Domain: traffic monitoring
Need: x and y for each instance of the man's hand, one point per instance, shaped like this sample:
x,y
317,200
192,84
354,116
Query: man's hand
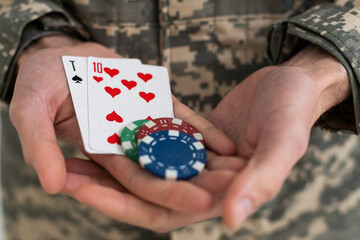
x,y
269,117
124,191
42,111
41,107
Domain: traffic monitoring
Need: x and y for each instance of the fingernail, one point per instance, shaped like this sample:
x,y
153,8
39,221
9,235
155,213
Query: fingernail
x,y
243,210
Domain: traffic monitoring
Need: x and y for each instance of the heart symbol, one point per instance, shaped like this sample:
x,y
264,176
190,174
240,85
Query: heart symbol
x,y
147,96
114,117
111,72
98,79
112,91
146,77
128,84
114,139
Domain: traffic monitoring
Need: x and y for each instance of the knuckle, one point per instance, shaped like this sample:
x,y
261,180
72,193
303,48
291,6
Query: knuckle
x,y
15,113
301,146
166,197
161,221
300,142
271,190
163,226
161,229
28,161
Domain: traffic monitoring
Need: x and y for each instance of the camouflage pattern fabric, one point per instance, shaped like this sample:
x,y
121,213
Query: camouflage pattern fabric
x,y
23,22
333,27
208,46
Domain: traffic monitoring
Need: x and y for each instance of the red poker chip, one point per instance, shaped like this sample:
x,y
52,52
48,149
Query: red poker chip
x,y
163,124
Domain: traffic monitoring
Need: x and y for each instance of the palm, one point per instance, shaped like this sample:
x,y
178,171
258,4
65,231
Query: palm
x,y
251,111
269,117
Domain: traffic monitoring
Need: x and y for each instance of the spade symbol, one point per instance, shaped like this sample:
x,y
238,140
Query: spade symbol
x,y
77,79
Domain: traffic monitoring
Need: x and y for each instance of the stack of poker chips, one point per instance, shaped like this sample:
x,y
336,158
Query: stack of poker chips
x,y
169,148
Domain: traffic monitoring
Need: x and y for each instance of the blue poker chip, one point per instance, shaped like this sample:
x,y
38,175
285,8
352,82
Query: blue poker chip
x,y
172,154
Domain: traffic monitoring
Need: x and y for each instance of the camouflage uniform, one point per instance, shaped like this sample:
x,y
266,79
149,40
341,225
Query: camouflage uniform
x,y
208,46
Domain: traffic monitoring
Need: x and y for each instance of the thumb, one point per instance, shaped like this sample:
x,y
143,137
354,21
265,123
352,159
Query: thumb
x,y
38,140
264,175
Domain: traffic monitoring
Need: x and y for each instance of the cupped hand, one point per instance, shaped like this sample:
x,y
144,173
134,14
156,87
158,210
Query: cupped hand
x,y
269,116
42,111
121,189
94,186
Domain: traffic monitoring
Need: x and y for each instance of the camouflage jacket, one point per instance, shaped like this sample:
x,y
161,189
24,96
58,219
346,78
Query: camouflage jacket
x,y
209,46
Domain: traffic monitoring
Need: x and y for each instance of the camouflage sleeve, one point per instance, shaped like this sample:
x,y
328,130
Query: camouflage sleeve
x,y
23,21
336,28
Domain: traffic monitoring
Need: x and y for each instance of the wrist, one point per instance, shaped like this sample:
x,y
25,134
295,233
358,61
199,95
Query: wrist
x,y
329,75
52,41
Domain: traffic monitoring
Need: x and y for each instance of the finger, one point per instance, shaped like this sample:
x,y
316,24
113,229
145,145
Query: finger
x,y
214,139
177,195
130,209
75,181
264,175
38,140
214,181
218,162
81,172
85,167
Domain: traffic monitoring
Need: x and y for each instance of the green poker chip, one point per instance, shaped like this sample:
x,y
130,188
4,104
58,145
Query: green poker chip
x,y
129,139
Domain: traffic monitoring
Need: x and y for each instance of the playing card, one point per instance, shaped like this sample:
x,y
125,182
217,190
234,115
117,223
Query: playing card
x,y
120,93
76,74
